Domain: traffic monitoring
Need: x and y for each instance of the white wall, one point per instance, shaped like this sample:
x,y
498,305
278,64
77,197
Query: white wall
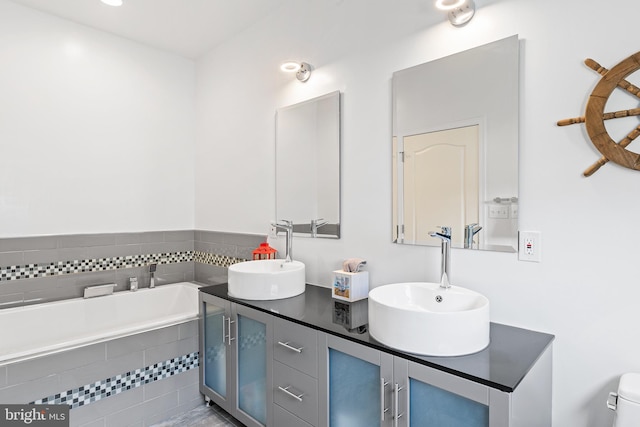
x,y
96,133
585,290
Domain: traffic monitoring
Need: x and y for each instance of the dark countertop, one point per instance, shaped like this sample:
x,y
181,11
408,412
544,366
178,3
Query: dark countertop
x,y
502,365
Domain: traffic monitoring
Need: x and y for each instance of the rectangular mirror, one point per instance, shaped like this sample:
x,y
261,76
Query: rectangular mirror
x,y
308,166
455,149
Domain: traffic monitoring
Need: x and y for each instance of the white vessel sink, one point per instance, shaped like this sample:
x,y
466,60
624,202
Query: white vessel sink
x,y
423,318
266,279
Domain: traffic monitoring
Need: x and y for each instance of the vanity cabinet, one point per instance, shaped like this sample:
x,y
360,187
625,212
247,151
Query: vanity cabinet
x,y
309,367
235,359
362,386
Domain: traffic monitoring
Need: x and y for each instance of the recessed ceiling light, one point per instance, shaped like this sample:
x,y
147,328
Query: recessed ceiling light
x,y
112,2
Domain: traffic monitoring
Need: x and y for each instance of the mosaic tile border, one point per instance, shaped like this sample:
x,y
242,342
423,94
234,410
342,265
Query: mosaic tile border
x,y
99,390
33,271
215,259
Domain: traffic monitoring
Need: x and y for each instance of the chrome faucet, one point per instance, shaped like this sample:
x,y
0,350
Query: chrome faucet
x,y
470,232
152,273
133,284
287,226
315,224
445,237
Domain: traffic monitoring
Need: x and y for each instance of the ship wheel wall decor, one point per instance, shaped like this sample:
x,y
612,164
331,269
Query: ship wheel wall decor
x,y
595,116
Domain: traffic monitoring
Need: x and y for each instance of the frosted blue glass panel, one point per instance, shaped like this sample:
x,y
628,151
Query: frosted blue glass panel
x,y
215,351
432,406
252,368
354,391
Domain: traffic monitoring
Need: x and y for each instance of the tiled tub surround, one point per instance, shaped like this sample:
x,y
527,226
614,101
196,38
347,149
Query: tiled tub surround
x,y
143,376
144,400
49,268
139,379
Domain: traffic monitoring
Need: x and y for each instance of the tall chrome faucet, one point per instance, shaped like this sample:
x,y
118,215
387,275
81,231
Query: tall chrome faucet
x,y
315,224
287,226
445,237
470,231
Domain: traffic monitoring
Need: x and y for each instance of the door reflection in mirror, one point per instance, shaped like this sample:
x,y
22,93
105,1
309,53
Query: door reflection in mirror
x,y
441,181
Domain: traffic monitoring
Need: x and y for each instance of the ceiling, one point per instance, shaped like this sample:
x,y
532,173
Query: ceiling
x,y
186,27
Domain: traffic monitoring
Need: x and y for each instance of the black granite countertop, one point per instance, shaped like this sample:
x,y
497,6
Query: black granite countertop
x,y
502,365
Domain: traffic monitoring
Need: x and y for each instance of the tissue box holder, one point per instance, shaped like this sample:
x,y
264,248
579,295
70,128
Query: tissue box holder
x,y
350,286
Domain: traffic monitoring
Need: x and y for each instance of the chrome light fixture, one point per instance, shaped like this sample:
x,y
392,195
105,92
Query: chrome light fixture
x,y
302,69
459,11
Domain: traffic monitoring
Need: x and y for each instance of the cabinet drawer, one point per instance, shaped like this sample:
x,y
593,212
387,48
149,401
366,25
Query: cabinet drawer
x,y
296,392
297,346
282,418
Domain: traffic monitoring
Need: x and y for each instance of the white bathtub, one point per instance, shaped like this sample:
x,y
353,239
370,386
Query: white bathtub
x,y
37,330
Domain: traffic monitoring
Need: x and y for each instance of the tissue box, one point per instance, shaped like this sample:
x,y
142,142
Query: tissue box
x,y
350,286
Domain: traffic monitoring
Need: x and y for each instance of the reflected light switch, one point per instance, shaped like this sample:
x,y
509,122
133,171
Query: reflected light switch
x,y
498,211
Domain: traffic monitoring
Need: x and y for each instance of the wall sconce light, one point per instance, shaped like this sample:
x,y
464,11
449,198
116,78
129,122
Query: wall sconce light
x,y
459,11
302,69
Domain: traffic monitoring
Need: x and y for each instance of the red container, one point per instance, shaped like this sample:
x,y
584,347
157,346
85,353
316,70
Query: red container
x,y
264,251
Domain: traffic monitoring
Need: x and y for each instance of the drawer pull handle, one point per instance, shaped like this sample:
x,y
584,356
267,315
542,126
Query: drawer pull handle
x,y
287,346
286,391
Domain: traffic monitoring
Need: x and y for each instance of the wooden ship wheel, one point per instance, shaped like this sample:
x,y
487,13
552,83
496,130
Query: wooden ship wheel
x,y
595,116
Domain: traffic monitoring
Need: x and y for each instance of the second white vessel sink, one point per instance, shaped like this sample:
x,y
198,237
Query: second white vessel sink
x,y
266,279
424,318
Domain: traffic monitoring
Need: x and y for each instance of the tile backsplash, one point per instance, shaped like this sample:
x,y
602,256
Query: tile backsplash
x,y
49,268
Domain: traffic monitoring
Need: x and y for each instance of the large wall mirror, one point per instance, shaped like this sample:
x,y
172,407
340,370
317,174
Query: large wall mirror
x,y
308,166
455,149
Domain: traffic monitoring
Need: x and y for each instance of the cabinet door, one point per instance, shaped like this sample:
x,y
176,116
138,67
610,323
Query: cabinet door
x,y
254,341
216,363
355,384
427,396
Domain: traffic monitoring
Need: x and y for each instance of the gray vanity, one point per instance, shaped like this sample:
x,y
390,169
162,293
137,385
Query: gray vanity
x,y
309,361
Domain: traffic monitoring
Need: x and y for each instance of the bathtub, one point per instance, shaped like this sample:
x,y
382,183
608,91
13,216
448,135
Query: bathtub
x,y
42,329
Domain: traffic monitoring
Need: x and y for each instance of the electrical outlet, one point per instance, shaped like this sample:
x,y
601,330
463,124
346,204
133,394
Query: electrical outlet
x,y
530,248
273,231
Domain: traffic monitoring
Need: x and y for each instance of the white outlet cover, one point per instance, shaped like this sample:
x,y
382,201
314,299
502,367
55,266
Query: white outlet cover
x,y
530,246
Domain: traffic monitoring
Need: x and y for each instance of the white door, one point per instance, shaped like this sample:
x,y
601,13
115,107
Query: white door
x,y
440,183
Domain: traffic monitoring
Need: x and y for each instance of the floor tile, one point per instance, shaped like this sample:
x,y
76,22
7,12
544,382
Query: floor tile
x,y
202,416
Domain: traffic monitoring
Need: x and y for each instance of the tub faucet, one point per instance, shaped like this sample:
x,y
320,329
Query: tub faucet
x,y
445,250
133,284
470,232
287,226
152,273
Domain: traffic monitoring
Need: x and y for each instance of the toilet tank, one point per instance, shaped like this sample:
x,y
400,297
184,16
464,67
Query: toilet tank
x,y
626,402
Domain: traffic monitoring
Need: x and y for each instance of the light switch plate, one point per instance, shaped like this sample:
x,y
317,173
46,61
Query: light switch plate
x,y
514,210
499,211
530,246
